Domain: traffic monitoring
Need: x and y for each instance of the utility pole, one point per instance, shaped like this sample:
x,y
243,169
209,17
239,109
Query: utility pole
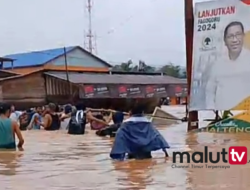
x,y
89,35
67,71
193,117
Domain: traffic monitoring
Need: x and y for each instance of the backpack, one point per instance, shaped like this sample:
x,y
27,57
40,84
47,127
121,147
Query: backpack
x,y
77,123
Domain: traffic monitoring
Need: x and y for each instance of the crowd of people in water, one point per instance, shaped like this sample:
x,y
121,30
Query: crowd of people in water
x,y
135,136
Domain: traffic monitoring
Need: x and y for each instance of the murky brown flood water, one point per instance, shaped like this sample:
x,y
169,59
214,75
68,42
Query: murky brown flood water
x,y
57,161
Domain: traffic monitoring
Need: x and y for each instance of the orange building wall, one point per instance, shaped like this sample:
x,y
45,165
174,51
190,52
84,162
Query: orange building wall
x,y
174,100
25,70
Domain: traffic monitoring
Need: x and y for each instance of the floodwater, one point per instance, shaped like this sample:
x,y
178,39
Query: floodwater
x,y
57,161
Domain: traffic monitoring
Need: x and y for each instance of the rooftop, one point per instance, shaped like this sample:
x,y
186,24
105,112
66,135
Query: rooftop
x,y
35,58
84,78
4,59
40,58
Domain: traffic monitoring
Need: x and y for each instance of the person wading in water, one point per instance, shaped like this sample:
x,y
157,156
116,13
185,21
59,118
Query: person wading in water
x,y
97,125
85,116
35,119
77,120
15,115
8,129
117,118
137,137
51,119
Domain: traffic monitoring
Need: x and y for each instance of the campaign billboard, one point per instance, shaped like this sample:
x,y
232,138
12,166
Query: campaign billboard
x,y
221,56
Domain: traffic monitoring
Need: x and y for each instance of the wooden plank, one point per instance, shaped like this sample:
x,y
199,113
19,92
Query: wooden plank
x,y
167,118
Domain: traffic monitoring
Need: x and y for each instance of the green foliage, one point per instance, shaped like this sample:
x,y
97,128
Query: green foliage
x,y
169,69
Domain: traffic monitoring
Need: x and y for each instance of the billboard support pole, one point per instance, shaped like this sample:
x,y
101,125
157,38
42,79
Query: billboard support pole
x,y
189,29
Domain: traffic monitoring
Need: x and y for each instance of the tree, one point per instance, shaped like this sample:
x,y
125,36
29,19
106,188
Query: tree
x,y
184,74
126,67
171,70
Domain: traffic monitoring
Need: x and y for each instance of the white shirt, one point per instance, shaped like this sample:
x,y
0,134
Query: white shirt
x,y
14,116
229,82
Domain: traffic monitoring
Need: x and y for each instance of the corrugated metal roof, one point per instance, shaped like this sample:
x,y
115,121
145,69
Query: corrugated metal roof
x,y
83,78
35,58
4,59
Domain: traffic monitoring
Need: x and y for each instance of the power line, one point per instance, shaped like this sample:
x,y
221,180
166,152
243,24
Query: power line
x,y
121,24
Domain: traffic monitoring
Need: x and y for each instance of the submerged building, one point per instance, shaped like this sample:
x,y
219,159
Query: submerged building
x,y
73,74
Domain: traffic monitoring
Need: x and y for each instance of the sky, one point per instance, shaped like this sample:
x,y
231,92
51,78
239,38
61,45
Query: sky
x,y
148,30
